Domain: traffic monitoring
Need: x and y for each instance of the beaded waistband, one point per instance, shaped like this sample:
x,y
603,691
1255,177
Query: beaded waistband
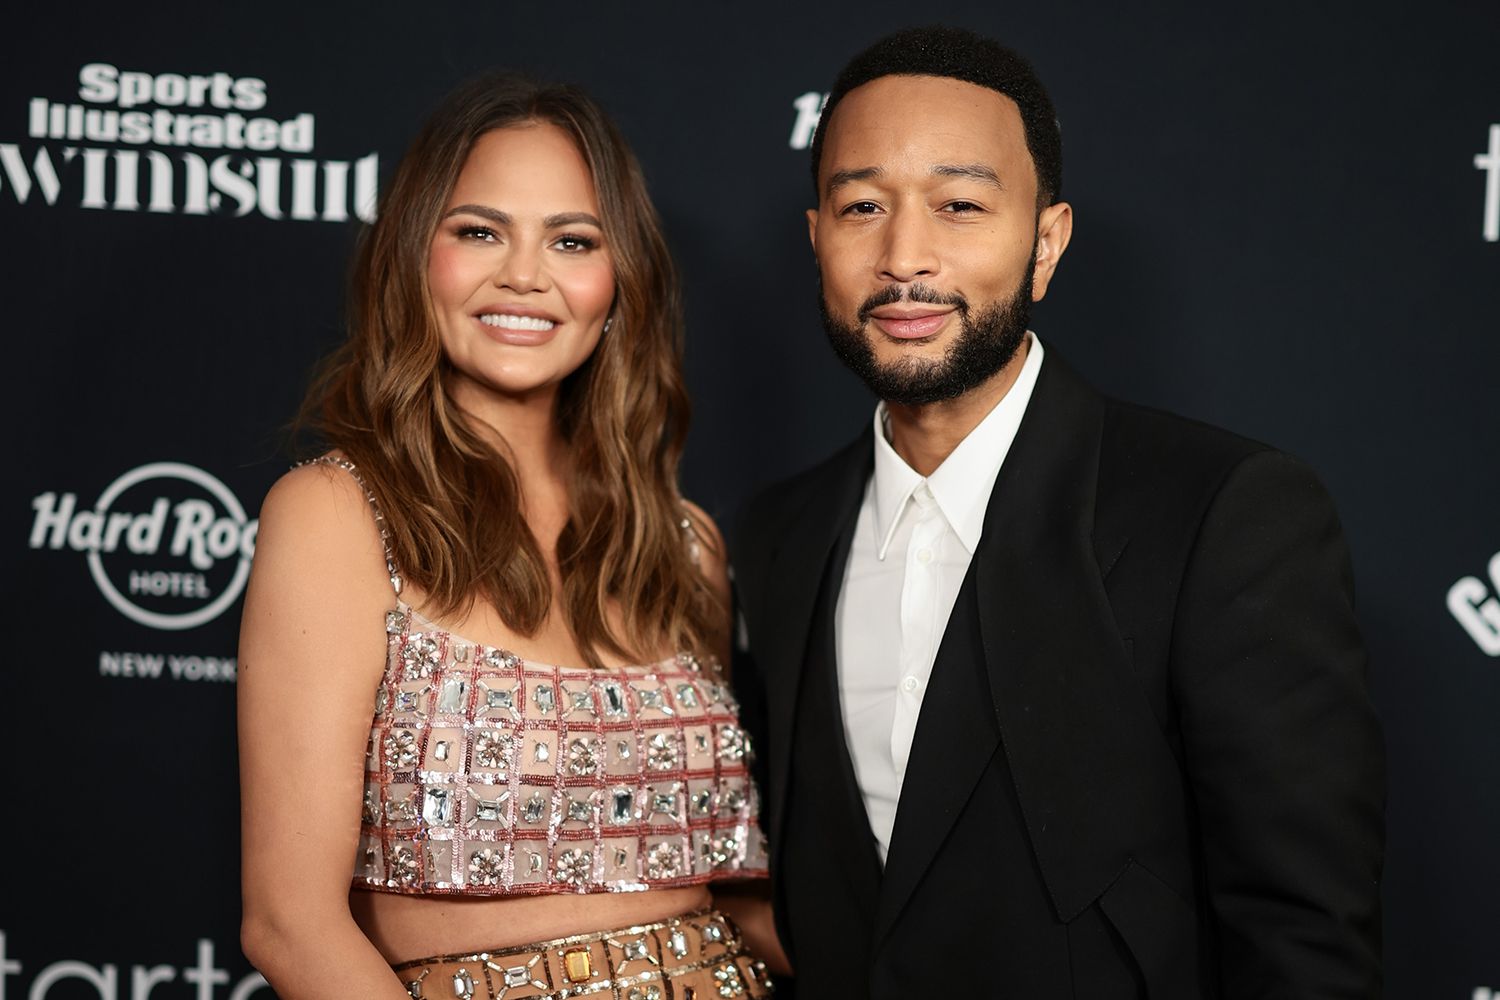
x,y
696,956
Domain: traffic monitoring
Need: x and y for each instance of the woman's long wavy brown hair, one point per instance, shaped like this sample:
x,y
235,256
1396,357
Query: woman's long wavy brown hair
x,y
451,501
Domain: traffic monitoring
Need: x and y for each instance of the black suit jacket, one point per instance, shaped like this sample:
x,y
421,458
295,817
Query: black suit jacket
x,y
1146,763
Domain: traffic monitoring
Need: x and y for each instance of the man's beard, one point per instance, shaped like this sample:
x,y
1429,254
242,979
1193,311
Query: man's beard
x,y
986,343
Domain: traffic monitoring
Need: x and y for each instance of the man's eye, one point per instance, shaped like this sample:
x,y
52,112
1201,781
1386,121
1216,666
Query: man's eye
x,y
861,208
962,207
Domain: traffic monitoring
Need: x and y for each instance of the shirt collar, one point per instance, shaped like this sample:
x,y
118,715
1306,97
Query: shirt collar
x,y
961,486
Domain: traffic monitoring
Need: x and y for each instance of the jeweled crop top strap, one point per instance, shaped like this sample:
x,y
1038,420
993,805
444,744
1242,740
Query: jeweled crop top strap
x,y
385,536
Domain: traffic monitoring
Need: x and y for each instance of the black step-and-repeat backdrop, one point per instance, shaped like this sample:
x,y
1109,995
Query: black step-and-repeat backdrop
x,y
1288,223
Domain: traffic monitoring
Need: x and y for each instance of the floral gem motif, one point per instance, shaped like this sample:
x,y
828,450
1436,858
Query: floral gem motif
x,y
727,978
733,743
486,867
420,654
661,752
719,851
584,756
405,867
500,659
664,861
400,748
574,866
492,748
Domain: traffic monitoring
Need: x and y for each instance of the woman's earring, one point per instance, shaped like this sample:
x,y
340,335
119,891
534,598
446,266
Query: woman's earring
x,y
608,322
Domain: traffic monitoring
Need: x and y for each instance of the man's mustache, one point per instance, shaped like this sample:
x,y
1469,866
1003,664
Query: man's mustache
x,y
916,292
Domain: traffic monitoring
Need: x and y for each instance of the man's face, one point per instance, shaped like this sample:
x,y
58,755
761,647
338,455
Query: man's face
x,y
929,244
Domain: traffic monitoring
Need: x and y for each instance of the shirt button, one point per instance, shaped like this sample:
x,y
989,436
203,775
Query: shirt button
x,y
910,684
924,556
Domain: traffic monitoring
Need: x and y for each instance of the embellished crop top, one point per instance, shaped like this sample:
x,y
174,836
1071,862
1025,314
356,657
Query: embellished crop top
x,y
488,774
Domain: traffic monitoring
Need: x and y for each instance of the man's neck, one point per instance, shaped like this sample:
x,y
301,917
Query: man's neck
x,y
925,435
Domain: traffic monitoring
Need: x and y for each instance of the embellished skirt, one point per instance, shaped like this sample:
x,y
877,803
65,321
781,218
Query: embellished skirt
x,y
697,956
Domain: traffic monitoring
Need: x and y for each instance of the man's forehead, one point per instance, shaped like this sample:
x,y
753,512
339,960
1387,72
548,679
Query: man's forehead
x,y
922,119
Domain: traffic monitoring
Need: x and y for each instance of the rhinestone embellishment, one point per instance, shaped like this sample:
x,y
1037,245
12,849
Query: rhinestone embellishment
x,y
405,868
492,748
614,699
581,810
546,699
621,806
400,749
486,867
643,993
727,978
661,752
463,985
664,861
574,866
733,743
653,698
484,771
501,699
453,696
534,808
500,659
420,655
583,756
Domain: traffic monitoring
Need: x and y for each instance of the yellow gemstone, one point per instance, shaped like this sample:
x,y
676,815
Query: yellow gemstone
x,y
578,965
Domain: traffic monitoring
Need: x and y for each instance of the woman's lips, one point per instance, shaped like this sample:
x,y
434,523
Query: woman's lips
x,y
913,327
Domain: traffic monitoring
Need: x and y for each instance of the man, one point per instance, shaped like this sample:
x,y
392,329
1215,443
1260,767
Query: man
x,y
1059,696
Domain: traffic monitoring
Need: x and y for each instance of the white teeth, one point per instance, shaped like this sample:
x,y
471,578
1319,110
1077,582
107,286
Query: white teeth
x,y
507,321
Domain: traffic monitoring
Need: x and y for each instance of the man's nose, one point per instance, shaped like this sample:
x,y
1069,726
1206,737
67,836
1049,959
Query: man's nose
x,y
908,253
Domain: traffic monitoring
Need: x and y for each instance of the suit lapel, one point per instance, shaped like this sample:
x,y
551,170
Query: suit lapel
x,y
796,572
1069,716
955,739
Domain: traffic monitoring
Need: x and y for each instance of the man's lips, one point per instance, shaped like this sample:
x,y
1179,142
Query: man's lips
x,y
909,323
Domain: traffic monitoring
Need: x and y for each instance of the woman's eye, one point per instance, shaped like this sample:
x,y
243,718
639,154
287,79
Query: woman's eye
x,y
576,244
482,233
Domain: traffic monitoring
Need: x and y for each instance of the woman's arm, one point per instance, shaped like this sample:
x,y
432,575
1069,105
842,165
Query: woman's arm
x,y
748,903
312,652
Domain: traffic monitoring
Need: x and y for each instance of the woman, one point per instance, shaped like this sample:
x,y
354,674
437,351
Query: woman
x,y
507,417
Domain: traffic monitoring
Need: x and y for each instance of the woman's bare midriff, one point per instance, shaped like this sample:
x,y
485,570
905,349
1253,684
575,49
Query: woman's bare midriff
x,y
404,928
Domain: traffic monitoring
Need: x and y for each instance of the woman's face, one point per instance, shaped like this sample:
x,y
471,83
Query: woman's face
x,y
520,276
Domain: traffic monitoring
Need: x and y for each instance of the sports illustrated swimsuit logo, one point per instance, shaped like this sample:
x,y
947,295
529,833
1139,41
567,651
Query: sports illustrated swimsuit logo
x,y
167,544
809,109
203,155
1489,162
1477,609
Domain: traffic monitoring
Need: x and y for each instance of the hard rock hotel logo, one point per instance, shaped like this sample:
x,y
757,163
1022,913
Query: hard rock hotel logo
x,y
167,544
174,143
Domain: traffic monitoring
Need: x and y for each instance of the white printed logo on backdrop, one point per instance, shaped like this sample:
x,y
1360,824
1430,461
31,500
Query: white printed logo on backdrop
x,y
184,144
809,109
1477,607
1489,162
168,545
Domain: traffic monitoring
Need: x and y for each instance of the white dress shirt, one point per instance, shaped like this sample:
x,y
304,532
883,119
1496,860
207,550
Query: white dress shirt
x,y
911,550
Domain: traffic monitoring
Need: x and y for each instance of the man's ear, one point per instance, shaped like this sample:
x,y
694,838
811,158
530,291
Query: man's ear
x,y
1054,228
812,227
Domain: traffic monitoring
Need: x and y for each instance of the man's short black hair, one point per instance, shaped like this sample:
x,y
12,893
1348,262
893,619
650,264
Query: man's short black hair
x,y
959,55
